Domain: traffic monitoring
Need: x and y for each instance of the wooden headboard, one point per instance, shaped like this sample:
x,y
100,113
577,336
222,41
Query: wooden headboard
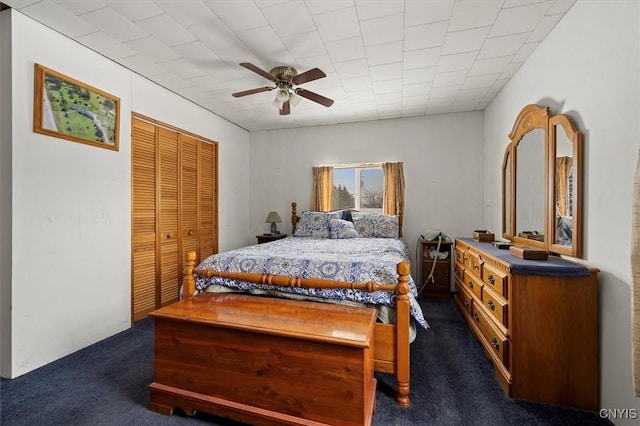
x,y
295,218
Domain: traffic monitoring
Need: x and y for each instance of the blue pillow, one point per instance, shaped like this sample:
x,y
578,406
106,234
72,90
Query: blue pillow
x,y
315,224
375,225
341,229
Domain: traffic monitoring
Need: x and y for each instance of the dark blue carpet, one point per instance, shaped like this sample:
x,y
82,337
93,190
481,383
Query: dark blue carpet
x,y
107,384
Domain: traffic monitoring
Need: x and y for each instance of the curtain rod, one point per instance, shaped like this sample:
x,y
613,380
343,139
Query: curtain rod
x,y
347,166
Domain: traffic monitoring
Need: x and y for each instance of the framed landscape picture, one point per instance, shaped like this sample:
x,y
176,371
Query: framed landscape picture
x,y
68,109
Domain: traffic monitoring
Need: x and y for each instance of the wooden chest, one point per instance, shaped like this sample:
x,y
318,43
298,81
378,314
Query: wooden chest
x,y
265,361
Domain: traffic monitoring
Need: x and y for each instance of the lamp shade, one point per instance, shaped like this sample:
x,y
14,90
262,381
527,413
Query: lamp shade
x,y
273,217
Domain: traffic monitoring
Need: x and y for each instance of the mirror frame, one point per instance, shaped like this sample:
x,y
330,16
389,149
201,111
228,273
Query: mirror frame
x,y
575,137
536,117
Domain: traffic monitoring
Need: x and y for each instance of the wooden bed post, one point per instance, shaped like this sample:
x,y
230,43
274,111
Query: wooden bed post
x,y
400,213
188,282
294,216
403,313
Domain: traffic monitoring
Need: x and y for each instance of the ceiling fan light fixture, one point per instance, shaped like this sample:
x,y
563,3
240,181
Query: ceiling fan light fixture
x,y
282,96
294,99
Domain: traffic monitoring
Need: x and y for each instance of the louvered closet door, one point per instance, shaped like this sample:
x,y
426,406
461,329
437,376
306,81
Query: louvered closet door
x,y
143,271
189,194
168,216
208,205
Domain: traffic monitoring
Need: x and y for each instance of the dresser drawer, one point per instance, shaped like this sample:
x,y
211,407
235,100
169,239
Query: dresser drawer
x,y
495,280
473,284
474,263
496,341
458,270
496,306
463,296
460,251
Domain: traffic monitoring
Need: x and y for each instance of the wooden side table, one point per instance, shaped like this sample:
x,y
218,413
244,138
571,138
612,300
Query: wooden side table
x,y
265,238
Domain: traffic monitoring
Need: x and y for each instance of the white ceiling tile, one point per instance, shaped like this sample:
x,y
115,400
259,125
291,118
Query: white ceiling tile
x,y
475,93
304,45
450,78
387,86
339,24
207,83
153,49
59,19
457,62
357,84
376,9
196,52
427,12
142,65
171,80
421,58
183,68
544,28
462,106
418,75
279,17
166,29
323,6
360,96
561,6
385,53
386,72
346,49
214,34
474,14
114,24
78,7
490,66
261,40
423,89
525,51
238,15
425,36
444,91
502,46
480,81
465,41
134,10
187,12
510,70
519,19
106,45
351,69
386,29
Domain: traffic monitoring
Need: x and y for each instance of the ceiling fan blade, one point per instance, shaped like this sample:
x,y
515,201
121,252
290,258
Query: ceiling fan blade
x,y
312,74
260,71
314,97
286,108
251,92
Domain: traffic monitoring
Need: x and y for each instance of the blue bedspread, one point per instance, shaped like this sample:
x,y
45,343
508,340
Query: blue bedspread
x,y
352,260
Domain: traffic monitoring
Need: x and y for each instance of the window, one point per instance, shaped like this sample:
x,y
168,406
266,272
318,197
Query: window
x,y
359,187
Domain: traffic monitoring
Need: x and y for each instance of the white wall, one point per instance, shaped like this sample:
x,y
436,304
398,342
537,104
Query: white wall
x,y
71,205
442,156
588,68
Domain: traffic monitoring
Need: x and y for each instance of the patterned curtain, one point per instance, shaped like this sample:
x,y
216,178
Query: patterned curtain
x,y
322,190
635,270
563,169
393,186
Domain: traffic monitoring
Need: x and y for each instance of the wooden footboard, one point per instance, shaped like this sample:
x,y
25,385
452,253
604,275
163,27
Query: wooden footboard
x,y
391,349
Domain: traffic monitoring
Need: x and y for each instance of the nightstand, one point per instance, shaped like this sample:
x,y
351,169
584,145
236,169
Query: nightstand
x,y
441,284
265,238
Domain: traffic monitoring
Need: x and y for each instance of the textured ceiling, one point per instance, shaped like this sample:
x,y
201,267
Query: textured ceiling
x,y
383,59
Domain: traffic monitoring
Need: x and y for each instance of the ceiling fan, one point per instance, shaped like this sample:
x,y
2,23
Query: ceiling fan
x,y
284,79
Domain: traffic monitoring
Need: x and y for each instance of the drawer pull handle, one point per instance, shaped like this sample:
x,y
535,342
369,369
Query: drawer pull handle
x,y
476,266
495,344
168,236
476,317
491,305
491,279
471,284
466,302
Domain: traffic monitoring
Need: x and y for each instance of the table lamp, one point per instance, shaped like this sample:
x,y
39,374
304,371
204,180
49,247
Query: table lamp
x,y
273,218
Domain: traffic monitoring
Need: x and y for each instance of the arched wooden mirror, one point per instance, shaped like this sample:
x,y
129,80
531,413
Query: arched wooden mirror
x,y
542,180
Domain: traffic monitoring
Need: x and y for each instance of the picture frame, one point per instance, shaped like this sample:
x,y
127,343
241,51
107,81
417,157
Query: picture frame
x,y
69,109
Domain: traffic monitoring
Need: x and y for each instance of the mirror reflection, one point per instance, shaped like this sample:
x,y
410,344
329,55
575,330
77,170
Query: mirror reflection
x,y
530,185
564,187
506,191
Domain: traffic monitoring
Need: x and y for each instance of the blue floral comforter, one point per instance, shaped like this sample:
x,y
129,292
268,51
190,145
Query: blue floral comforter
x,y
352,260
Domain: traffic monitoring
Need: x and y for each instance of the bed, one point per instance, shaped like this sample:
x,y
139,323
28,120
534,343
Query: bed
x,y
324,261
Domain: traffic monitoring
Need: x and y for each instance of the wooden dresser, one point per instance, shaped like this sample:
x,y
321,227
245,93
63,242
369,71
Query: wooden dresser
x,y
265,361
537,322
